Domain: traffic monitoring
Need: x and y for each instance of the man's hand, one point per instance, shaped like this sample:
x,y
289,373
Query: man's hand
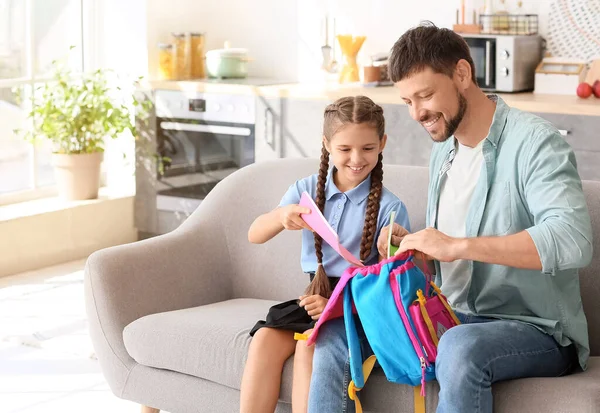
x,y
290,218
314,305
433,244
398,233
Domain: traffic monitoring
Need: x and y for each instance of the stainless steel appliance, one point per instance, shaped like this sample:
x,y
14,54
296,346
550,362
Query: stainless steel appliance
x,y
207,137
505,63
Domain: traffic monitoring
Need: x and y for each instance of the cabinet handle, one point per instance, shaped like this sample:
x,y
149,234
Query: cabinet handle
x,y
564,132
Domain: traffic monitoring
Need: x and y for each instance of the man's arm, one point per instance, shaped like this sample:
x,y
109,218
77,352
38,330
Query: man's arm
x,y
517,250
561,236
562,230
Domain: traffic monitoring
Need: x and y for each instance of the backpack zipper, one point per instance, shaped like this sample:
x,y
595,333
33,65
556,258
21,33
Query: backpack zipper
x,y
415,342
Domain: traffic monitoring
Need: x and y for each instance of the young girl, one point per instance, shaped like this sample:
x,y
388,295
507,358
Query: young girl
x,y
353,200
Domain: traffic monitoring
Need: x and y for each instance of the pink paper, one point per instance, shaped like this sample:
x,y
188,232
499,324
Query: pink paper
x,y
319,224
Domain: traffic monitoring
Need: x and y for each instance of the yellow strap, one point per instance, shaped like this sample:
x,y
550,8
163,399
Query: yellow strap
x,y
300,337
445,303
426,318
419,400
353,390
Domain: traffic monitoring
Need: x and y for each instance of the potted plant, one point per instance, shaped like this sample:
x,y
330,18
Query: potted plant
x,y
77,114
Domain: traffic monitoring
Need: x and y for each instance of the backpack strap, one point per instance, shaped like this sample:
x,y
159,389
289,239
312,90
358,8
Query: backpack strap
x,y
301,336
367,368
419,400
355,352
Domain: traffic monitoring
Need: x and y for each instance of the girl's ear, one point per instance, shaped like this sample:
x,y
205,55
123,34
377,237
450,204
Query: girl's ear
x,y
326,143
382,143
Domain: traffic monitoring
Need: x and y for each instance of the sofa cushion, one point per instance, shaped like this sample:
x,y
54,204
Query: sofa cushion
x,y
210,342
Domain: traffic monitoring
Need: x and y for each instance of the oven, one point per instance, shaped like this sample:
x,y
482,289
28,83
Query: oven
x,y
201,138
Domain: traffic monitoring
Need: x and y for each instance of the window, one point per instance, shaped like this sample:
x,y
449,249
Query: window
x,y
33,33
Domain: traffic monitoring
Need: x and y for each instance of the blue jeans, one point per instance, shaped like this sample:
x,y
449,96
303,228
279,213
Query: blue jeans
x,y
471,357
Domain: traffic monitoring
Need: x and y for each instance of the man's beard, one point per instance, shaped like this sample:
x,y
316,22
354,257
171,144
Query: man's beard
x,y
454,123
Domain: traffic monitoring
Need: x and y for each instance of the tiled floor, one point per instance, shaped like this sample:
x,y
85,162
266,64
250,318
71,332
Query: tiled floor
x,y
46,358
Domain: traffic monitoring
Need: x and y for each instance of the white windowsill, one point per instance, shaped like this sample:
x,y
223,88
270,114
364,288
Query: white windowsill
x,y
53,204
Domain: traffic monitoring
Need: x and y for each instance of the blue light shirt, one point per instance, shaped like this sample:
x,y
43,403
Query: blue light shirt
x,y
345,212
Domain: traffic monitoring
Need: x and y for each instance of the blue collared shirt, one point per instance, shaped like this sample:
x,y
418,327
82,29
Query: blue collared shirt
x,y
345,212
528,182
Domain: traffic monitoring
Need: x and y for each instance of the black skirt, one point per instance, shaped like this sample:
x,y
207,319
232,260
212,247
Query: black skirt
x,y
289,315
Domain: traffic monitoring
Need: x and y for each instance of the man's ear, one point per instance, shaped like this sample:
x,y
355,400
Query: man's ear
x,y
462,73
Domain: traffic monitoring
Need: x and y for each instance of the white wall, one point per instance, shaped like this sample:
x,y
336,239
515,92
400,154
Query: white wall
x,y
285,36
268,28
121,36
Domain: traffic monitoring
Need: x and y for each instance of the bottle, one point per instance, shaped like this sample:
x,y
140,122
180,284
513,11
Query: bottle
x,y
181,52
197,56
166,61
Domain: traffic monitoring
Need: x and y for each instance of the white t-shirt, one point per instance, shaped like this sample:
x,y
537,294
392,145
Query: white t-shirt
x,y
455,198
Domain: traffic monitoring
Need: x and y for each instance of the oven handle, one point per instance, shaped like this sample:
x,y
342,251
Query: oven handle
x,y
193,127
488,61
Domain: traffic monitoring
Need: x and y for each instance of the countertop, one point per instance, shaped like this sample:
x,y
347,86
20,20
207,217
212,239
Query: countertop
x,y
531,102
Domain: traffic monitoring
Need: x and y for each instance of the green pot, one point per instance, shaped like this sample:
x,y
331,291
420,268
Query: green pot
x,y
227,63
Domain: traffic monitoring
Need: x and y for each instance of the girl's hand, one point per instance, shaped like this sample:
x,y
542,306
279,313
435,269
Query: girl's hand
x,y
289,216
398,234
314,305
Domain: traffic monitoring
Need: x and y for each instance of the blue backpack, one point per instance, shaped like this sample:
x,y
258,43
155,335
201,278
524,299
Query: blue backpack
x,y
381,296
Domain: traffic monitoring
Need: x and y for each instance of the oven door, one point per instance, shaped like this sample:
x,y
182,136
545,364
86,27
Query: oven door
x,y
483,52
197,155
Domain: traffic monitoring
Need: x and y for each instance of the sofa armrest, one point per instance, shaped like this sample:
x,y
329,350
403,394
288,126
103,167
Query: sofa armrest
x,y
186,268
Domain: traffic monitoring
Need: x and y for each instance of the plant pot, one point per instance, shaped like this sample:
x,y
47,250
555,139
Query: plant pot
x,y
77,175
227,63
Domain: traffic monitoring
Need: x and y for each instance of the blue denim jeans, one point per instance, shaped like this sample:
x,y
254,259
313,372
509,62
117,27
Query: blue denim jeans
x,y
471,357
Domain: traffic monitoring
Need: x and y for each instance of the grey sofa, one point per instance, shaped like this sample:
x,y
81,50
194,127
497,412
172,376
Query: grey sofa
x,y
169,316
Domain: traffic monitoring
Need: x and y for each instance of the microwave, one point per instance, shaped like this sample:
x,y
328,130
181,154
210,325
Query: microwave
x,y
505,63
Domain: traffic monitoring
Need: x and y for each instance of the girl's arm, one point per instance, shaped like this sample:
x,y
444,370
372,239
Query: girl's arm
x,y
272,223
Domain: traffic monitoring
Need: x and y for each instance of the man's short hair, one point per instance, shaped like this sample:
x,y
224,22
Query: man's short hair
x,y
428,46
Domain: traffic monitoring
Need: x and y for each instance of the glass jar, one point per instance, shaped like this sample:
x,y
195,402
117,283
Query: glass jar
x,y
197,56
166,63
181,52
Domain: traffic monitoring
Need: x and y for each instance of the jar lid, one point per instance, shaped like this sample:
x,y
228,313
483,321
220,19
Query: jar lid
x,y
165,46
178,34
195,34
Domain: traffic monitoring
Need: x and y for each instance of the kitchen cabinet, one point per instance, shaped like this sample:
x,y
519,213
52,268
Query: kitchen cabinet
x,y
267,139
582,133
292,127
302,128
408,143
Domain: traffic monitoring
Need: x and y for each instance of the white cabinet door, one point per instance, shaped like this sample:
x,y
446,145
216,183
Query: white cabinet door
x,y
267,139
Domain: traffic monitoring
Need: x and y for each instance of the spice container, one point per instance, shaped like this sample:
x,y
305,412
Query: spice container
x,y
197,56
181,53
166,61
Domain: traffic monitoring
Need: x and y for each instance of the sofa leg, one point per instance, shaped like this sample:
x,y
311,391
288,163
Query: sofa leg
x,y
146,409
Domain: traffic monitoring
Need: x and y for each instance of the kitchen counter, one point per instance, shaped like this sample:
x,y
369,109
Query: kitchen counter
x,y
530,102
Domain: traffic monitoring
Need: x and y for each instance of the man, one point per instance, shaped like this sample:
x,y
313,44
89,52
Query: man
x,y
507,230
